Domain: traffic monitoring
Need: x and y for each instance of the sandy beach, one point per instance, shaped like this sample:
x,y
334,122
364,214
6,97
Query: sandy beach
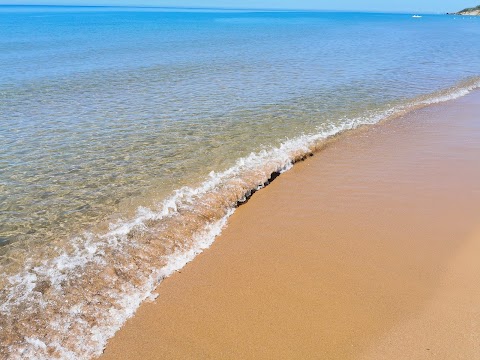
x,y
237,180
367,250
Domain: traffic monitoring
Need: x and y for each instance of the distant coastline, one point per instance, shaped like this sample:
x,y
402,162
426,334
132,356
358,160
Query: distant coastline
x,y
473,11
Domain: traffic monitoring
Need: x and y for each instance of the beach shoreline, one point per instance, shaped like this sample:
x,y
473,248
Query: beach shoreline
x,y
351,253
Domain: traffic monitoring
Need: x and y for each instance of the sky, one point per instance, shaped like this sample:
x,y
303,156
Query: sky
x,y
431,6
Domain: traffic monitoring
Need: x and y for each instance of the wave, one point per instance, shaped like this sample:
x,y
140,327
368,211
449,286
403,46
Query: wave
x,y
68,305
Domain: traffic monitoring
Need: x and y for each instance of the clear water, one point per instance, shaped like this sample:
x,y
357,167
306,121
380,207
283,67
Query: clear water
x,y
127,137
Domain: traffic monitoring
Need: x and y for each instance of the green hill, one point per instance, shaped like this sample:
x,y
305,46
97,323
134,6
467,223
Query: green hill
x,y
470,11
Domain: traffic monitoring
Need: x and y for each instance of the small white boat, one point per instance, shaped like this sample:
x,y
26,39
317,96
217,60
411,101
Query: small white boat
x,y
416,16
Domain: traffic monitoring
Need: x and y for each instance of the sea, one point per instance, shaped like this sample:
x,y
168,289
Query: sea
x,y
128,136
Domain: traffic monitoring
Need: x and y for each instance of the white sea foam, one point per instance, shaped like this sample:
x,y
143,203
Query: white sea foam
x,y
67,332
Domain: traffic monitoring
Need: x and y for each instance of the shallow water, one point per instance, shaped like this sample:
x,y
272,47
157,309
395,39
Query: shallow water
x,y
128,136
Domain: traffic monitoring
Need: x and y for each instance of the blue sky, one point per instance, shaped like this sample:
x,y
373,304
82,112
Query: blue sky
x,y
436,6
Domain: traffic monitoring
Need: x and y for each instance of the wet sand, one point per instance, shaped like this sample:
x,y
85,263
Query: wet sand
x,y
368,250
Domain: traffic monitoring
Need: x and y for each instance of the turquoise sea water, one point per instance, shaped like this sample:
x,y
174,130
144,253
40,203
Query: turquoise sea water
x,y
128,136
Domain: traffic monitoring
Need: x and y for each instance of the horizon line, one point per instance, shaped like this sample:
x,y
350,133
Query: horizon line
x,y
219,8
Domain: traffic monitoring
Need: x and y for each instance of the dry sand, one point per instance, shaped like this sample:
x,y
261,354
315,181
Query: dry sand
x,y
368,250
